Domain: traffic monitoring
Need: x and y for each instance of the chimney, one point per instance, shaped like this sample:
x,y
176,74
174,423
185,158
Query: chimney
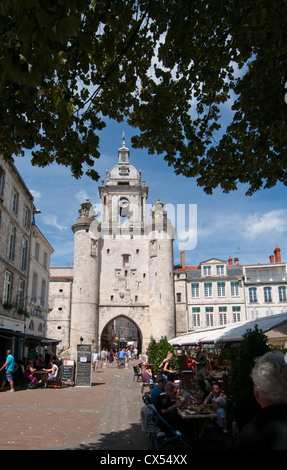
x,y
182,259
271,257
236,261
277,254
230,261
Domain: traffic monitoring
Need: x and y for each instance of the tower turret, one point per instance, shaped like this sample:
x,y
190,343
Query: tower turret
x,y
161,287
84,318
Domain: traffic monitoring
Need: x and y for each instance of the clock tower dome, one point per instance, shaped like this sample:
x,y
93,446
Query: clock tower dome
x,y
123,197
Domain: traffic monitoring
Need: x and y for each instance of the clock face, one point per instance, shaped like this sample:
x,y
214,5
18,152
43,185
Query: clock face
x,y
124,207
123,202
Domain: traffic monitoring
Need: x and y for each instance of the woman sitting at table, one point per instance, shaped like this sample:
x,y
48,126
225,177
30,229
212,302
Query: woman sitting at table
x,y
29,372
215,393
39,361
146,374
167,406
51,373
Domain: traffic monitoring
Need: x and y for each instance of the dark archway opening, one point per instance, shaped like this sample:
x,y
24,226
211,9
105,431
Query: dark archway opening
x,y
120,333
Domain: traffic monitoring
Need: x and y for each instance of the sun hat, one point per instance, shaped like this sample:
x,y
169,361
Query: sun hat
x,y
221,401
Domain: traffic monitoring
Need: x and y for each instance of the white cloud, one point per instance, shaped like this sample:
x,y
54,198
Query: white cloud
x,y
251,226
36,194
81,196
261,225
50,219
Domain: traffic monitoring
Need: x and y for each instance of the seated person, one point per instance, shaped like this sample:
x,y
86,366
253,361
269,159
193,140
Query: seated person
x,y
219,406
146,374
157,390
29,372
51,373
39,362
215,393
220,423
167,406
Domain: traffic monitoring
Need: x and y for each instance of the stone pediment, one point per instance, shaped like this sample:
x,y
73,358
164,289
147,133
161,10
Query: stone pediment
x,y
213,261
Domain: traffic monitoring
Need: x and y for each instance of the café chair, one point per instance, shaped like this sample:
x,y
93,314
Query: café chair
x,y
57,382
137,373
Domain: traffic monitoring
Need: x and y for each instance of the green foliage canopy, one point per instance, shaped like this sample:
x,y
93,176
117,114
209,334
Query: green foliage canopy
x,y
168,67
157,352
253,346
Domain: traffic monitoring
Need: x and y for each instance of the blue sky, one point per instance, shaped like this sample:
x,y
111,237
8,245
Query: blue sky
x,y
223,225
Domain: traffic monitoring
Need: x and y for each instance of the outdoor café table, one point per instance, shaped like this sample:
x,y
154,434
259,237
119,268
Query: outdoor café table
x,y
195,415
40,372
196,418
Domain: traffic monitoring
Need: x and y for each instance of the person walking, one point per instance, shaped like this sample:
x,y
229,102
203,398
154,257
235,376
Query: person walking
x,y
9,370
121,358
111,358
103,357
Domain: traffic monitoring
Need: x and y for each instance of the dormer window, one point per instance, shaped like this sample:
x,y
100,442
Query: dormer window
x,y
220,270
207,270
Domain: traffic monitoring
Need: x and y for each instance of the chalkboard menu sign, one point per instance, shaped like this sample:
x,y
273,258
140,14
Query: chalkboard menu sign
x,y
84,365
68,372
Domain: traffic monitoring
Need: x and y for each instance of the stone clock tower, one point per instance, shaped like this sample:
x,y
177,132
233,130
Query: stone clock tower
x,y
123,261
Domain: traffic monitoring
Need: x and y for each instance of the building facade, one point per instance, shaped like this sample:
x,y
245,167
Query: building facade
x,y
217,293
38,285
17,265
16,215
207,295
123,265
266,287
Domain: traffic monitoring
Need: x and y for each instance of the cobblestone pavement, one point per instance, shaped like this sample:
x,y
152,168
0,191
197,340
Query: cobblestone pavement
x,y
105,416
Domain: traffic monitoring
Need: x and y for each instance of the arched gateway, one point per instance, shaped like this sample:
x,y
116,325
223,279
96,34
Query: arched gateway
x,y
121,332
123,263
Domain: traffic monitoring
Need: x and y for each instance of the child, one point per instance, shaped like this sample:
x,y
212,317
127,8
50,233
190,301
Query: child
x,y
220,424
219,406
